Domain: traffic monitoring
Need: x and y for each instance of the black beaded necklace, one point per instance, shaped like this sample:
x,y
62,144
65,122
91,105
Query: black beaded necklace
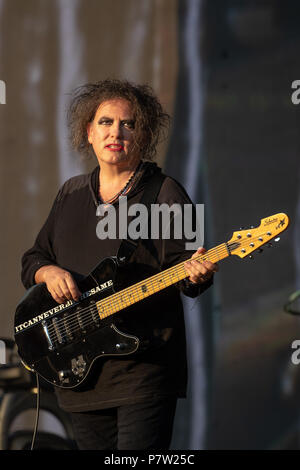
x,y
125,188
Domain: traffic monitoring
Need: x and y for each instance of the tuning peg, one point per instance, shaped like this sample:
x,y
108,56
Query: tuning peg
x,y
276,239
260,250
251,257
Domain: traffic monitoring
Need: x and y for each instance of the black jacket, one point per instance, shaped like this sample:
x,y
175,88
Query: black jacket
x,y
68,239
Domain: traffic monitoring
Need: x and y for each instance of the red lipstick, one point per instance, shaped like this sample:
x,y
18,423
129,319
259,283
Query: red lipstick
x,y
115,147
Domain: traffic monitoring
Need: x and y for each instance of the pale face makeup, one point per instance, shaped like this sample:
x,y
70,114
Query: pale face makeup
x,y
111,133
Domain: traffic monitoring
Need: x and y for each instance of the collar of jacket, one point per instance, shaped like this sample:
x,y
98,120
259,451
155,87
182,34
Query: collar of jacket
x,y
148,169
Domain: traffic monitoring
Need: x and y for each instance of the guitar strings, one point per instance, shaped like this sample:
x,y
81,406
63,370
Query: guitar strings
x,y
73,323
84,313
77,318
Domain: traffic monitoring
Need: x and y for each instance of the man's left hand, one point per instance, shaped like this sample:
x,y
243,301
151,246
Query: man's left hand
x,y
200,272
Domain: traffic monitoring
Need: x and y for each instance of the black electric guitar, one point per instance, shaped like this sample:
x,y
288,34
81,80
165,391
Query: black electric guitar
x,y
62,341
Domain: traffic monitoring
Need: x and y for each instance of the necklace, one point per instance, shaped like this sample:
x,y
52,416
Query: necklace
x,y
125,188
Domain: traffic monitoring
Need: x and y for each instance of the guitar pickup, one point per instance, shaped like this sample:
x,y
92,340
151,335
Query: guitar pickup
x,y
47,334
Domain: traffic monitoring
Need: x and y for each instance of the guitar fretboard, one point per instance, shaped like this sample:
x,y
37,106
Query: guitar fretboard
x,y
139,291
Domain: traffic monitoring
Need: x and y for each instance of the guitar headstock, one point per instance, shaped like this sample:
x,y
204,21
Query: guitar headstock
x,y
244,242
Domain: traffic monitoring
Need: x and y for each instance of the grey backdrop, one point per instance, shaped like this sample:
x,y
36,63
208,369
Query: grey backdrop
x,y
224,71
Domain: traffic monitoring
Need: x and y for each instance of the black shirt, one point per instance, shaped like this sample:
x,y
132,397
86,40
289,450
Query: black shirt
x,y
68,239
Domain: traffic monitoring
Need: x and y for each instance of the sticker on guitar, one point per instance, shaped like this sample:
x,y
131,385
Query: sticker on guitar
x,y
39,318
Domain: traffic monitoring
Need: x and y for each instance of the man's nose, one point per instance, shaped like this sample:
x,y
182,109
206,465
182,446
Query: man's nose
x,y
116,129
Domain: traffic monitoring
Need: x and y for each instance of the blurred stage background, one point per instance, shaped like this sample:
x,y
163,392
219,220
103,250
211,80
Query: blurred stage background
x,y
224,70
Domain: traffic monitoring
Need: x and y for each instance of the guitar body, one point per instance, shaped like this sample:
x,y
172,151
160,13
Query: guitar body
x,y
61,342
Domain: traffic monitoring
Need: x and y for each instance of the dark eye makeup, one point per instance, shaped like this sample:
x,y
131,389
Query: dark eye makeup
x,y
129,123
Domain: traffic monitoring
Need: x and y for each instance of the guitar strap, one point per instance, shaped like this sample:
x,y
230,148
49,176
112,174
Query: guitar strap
x,y
151,191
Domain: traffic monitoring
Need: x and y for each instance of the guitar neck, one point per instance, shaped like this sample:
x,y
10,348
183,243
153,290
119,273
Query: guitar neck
x,y
133,294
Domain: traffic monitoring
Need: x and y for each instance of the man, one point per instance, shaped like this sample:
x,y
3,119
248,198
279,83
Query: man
x,y
128,402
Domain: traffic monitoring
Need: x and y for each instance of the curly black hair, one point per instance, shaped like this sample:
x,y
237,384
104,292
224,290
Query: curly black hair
x,y
151,121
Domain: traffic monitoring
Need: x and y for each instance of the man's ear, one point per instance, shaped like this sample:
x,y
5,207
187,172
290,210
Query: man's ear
x,y
89,131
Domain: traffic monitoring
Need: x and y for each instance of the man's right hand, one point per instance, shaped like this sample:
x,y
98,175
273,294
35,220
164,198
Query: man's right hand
x,y
59,282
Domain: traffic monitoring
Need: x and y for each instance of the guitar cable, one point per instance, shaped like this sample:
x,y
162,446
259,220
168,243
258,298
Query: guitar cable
x,y
37,411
